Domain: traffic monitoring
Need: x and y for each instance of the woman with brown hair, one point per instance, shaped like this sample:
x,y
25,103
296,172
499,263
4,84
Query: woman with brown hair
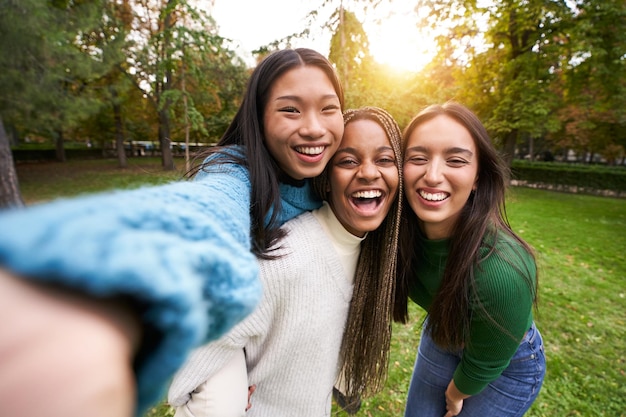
x,y
480,353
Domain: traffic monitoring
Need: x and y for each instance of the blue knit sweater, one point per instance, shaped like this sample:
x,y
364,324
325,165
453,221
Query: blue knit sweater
x,y
181,251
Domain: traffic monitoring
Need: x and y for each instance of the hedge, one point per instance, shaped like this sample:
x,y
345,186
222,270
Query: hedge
x,y
590,179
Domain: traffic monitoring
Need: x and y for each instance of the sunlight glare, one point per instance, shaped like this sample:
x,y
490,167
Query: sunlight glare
x,y
397,42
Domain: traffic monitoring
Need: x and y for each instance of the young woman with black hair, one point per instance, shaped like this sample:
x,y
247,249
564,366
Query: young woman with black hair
x,y
154,272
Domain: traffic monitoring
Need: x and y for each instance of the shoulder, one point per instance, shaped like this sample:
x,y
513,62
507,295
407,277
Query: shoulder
x,y
506,269
226,159
301,232
305,246
502,249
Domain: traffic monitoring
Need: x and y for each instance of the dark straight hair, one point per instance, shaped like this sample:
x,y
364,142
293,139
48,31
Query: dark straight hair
x,y
247,131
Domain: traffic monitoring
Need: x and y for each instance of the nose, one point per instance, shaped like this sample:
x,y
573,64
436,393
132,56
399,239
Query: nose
x,y
434,173
312,126
368,171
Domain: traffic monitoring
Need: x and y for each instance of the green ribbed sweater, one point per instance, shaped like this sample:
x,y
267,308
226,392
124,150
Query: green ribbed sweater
x,y
503,290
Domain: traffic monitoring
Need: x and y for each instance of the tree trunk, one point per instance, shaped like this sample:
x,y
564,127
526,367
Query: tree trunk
x,y
60,148
165,141
10,195
186,108
119,131
510,140
164,118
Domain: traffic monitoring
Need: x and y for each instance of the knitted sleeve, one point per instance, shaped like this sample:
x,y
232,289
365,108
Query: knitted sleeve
x,y
180,251
505,290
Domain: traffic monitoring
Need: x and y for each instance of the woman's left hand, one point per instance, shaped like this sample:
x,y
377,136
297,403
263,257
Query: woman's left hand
x,y
251,390
454,400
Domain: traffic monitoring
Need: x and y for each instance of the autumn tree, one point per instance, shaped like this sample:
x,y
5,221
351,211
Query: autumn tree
x,y
173,38
45,74
594,81
503,54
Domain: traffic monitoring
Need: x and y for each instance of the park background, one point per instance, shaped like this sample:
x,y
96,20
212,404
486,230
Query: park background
x,y
117,94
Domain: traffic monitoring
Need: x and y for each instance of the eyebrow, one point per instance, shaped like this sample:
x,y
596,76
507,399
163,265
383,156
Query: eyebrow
x,y
447,151
349,149
298,98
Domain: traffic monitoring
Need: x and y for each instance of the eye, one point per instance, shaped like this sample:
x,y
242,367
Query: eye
x,y
457,162
416,159
387,160
289,109
331,108
347,163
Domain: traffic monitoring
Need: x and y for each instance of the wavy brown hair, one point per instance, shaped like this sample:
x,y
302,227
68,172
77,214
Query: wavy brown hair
x,y
365,346
481,220
247,131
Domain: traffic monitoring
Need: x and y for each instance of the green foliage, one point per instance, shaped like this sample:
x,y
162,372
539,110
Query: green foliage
x,y
349,51
589,177
44,73
594,83
540,69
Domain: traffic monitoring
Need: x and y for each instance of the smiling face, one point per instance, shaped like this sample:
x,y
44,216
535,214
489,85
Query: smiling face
x,y
363,177
440,172
302,121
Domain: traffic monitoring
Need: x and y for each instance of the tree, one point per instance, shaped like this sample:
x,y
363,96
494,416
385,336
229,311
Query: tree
x,y
504,54
46,74
169,36
10,195
349,50
594,81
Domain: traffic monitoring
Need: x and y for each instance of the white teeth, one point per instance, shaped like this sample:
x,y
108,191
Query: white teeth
x,y
310,150
433,196
367,194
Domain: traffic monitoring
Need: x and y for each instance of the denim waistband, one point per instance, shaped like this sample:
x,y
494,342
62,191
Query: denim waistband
x,y
531,334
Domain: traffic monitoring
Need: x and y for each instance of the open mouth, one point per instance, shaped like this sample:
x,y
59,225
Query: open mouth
x,y
433,196
368,200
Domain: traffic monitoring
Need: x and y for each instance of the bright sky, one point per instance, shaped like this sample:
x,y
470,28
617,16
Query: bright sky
x,y
251,23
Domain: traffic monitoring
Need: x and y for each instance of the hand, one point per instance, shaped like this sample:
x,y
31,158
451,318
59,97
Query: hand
x,y
454,400
64,354
251,390
454,407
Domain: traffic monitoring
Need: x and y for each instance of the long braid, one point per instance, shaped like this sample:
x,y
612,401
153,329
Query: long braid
x,y
366,340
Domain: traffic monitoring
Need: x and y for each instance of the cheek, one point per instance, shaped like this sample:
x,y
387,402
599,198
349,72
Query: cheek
x,y
392,180
411,173
336,183
337,133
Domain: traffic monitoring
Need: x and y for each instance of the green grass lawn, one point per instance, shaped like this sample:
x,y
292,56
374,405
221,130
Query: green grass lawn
x,y
43,181
581,248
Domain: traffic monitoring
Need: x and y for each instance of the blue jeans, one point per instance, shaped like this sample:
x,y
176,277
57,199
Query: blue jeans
x,y
511,394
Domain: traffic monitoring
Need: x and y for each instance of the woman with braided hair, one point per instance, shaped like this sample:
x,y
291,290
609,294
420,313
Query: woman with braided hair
x,y
334,270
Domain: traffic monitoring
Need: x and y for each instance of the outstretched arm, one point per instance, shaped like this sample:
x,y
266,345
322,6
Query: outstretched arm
x,y
179,254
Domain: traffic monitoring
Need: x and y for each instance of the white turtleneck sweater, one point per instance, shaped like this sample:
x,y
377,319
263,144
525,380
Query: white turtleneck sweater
x,y
292,340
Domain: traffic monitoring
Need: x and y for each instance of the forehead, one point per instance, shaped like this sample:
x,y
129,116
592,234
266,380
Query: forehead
x,y
441,131
301,81
363,134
